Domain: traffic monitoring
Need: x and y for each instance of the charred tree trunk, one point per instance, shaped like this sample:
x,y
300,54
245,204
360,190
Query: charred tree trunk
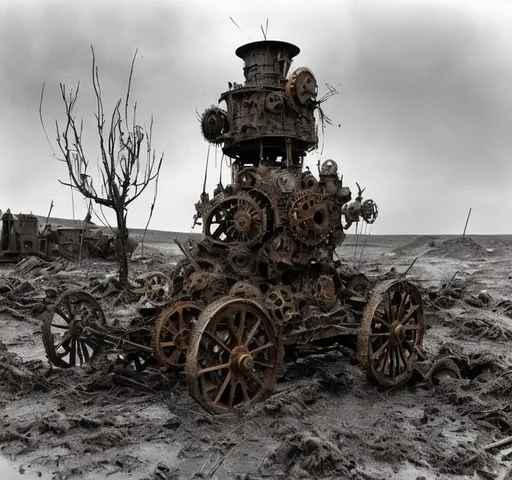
x,y
121,246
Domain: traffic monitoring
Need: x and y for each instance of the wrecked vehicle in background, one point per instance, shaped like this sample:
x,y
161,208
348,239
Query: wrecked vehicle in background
x,y
22,236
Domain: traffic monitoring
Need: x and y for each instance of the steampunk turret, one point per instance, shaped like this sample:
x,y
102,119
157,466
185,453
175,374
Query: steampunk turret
x,y
267,129
270,119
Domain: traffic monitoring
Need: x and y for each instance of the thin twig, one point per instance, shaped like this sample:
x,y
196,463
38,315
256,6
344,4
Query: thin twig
x,y
410,266
499,443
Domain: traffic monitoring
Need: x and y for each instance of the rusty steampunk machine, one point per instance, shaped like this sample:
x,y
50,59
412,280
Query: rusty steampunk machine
x,y
264,277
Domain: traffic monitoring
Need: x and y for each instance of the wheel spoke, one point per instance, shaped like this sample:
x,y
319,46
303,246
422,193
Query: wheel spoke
x,y
241,328
262,347
402,356
384,365
79,351
232,391
137,363
217,232
264,364
175,356
252,332
72,354
412,328
64,327
396,361
381,319
255,377
409,315
95,346
217,340
223,387
64,339
215,368
408,346
168,329
61,313
401,307
380,350
85,351
243,386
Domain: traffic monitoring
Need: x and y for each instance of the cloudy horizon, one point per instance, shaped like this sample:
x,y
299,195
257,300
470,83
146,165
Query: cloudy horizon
x,y
421,119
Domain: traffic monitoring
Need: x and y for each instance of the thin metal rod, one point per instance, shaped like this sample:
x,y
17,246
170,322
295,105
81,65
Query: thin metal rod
x,y
466,226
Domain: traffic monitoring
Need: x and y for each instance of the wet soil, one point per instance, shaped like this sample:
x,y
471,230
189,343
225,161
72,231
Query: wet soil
x,y
324,420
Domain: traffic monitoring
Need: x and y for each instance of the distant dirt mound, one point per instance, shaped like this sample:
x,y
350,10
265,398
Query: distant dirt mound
x,y
417,247
454,247
458,248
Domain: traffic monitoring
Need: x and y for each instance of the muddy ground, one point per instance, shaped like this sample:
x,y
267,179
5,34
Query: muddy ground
x,y
324,419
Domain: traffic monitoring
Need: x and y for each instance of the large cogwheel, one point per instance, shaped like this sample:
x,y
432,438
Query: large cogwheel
x,y
236,219
309,219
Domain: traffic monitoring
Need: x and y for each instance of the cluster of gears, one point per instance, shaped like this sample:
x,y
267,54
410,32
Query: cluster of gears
x,y
271,235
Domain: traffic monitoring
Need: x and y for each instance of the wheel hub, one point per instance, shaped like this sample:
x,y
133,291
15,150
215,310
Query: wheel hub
x,y
398,333
75,328
242,222
241,360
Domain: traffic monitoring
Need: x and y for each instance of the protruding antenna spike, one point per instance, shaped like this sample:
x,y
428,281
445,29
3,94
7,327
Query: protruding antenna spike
x,y
206,169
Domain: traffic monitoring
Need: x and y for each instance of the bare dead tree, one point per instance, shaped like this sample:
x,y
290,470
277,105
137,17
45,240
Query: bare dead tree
x,y
128,163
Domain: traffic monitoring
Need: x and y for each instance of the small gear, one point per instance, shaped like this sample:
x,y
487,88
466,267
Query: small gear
x,y
329,167
241,260
301,87
308,180
309,219
280,302
369,211
214,124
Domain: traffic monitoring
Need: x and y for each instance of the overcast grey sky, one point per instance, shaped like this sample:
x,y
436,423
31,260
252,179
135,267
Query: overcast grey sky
x,y
423,118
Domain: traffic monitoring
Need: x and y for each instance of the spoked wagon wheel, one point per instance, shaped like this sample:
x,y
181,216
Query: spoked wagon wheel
x,y
391,333
172,330
233,355
157,289
64,337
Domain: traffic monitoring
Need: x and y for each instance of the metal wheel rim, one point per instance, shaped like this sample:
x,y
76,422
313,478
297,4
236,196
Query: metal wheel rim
x,y
391,332
245,355
158,289
65,341
173,322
